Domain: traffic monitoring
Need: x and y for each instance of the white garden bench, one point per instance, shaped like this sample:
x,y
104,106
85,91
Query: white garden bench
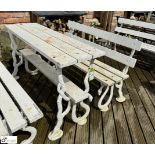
x,y
61,51
133,29
17,109
74,94
130,31
105,74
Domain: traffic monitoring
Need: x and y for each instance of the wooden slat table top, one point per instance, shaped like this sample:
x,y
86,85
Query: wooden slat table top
x,y
62,50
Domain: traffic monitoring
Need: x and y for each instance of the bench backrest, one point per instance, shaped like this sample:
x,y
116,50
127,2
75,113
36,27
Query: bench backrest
x,y
138,24
111,37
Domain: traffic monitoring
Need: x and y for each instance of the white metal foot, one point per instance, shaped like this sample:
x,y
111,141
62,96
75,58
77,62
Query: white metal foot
x,y
120,99
83,119
57,132
104,108
33,132
55,135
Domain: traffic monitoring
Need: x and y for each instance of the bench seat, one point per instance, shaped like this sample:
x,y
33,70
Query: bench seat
x,y
107,76
17,109
3,129
51,73
104,73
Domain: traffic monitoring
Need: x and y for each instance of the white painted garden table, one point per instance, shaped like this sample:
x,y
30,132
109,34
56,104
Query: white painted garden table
x,y
61,50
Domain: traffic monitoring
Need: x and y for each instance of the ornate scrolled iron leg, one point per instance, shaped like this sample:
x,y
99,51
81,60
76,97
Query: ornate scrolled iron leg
x,y
15,64
86,80
14,53
57,132
83,119
104,107
33,132
100,89
34,72
121,97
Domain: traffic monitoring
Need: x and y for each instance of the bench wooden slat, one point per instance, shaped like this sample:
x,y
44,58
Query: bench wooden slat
x,y
136,23
71,41
98,76
105,72
74,92
135,33
66,48
148,47
3,130
121,40
111,69
53,54
122,58
28,107
10,112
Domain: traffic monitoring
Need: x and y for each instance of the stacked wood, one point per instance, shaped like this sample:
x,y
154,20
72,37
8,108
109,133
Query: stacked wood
x,y
56,24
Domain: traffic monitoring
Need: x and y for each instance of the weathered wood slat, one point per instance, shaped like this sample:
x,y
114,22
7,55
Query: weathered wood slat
x,y
138,121
105,72
51,53
129,61
135,129
3,129
10,112
111,69
148,47
82,134
86,48
121,40
28,107
97,75
62,46
149,106
51,73
141,112
109,129
136,23
96,133
135,33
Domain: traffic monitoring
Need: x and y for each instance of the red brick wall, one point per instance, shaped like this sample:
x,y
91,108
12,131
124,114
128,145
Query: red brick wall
x,y
9,17
114,20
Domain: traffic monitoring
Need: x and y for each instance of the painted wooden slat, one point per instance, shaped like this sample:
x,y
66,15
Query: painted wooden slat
x,y
28,107
104,72
10,112
148,47
111,69
74,92
129,61
66,48
121,40
135,33
101,78
51,53
71,41
136,23
3,129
